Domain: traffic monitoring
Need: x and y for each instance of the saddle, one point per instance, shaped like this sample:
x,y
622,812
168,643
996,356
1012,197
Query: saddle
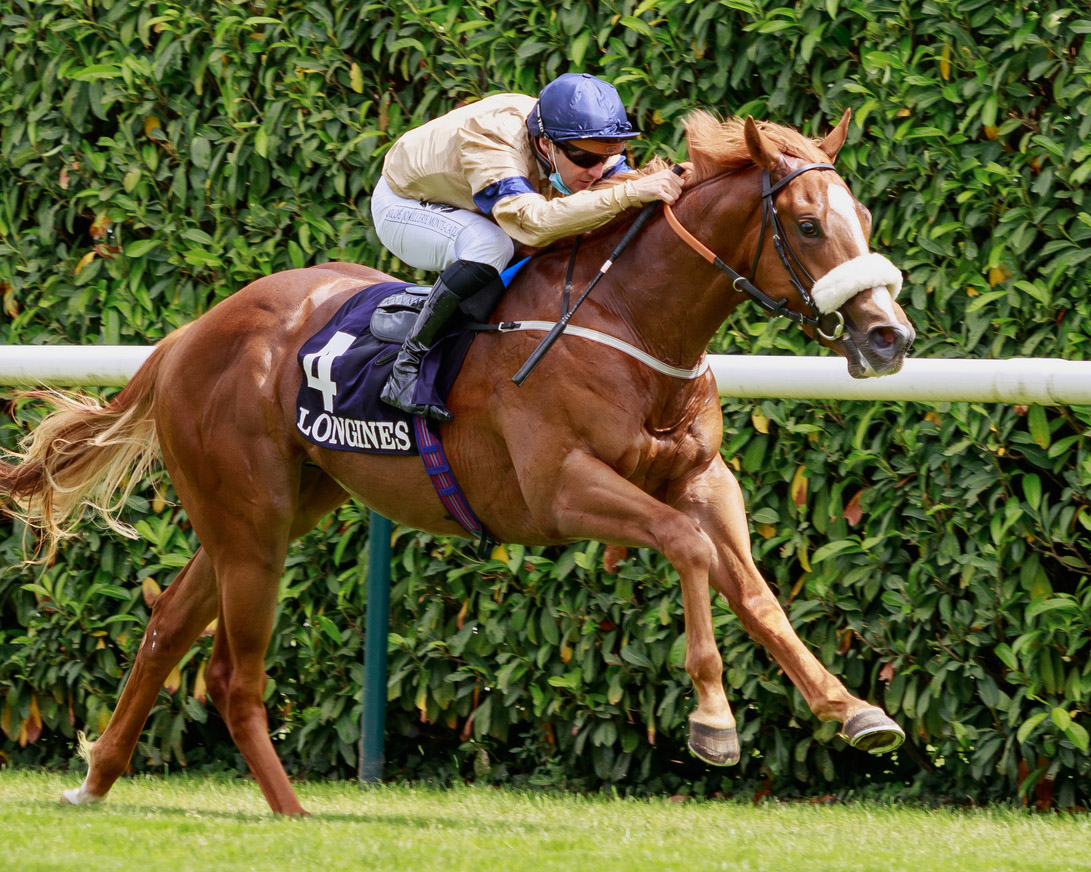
x,y
395,314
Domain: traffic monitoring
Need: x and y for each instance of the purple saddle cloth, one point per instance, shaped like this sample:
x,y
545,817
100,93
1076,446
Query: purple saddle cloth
x,y
345,367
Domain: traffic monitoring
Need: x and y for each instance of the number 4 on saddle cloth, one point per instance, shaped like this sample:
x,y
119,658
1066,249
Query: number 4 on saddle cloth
x,y
346,364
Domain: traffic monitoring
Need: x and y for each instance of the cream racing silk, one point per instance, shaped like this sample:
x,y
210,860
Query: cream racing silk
x,y
479,157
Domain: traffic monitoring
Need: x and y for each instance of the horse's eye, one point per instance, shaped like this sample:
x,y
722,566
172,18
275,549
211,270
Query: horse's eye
x,y
808,228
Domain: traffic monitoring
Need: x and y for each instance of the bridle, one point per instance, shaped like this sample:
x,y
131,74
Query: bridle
x,y
788,257
741,283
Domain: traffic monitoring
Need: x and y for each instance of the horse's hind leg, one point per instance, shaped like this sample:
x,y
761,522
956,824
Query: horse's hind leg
x,y
186,607
248,574
319,495
245,524
178,616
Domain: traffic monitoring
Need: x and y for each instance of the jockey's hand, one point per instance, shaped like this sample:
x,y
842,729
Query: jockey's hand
x,y
664,185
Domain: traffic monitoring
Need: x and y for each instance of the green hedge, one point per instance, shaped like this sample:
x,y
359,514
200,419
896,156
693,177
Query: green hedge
x,y
156,156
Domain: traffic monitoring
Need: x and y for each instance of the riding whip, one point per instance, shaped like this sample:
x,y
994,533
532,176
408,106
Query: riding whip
x,y
554,334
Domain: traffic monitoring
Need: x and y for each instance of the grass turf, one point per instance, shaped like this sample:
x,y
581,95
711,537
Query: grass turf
x,y
184,823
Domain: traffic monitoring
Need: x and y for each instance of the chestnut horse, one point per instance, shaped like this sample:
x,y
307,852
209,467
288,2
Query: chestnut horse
x,y
596,444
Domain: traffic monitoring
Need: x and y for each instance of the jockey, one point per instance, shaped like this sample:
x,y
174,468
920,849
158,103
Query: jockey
x,y
456,192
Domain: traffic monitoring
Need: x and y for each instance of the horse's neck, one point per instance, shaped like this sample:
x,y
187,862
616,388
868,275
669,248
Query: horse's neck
x,y
669,296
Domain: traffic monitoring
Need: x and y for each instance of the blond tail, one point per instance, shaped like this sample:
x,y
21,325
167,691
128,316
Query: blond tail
x,y
84,456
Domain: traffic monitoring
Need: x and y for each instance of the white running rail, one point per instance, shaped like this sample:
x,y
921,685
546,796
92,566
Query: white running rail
x,y
1029,380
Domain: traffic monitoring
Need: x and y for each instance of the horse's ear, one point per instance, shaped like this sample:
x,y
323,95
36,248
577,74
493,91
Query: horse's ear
x,y
832,143
761,151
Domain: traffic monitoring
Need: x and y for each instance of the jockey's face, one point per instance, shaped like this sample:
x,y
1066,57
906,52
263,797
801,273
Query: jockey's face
x,y
576,178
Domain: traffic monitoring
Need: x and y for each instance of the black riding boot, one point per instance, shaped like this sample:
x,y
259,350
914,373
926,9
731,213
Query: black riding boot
x,y
460,280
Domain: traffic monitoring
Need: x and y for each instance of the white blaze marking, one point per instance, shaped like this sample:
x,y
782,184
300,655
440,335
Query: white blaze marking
x,y
841,203
881,298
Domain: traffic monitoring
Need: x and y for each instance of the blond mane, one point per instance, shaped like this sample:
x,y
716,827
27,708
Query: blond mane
x,y
720,146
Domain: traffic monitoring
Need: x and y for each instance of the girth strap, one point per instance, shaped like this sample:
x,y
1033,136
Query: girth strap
x,y
448,489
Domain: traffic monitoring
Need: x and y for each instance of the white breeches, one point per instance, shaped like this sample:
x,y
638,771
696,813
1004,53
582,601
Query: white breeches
x,y
432,236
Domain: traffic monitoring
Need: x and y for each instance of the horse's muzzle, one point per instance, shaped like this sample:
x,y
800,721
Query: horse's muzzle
x,y
878,351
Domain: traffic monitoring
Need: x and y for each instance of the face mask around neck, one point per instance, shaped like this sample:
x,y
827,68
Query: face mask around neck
x,y
555,177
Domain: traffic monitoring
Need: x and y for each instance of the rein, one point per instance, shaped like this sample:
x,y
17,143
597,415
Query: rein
x,y
744,284
560,326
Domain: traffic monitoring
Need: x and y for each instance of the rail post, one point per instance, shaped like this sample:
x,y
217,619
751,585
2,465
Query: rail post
x,y
377,627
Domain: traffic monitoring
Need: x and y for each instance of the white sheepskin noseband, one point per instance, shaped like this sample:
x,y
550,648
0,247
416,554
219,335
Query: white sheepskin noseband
x,y
844,282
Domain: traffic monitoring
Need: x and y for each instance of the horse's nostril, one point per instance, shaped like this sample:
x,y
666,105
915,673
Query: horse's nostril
x,y
882,339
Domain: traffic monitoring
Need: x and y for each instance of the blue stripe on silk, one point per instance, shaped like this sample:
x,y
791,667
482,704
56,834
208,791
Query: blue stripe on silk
x,y
512,271
513,186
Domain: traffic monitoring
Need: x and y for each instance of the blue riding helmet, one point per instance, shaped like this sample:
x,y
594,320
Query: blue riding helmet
x,y
579,106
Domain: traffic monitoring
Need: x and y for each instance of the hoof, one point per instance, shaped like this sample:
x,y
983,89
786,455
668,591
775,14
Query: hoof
x,y
79,796
715,747
873,731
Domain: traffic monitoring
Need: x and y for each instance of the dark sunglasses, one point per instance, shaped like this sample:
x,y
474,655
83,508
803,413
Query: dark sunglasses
x,y
583,159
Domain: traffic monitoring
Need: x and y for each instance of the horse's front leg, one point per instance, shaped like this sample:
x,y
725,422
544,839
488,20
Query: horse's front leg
x,y
588,500
714,501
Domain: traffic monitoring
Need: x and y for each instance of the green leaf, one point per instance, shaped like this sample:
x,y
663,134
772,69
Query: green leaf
x,y
1028,726
407,42
579,48
140,247
1061,718
550,631
1032,490
1038,425
1006,655
1037,289
570,680
677,656
97,72
638,24
1052,604
199,257
200,151
989,110
830,549
194,234
631,655
1077,735
329,628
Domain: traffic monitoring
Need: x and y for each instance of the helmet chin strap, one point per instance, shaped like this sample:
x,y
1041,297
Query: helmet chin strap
x,y
552,155
539,153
